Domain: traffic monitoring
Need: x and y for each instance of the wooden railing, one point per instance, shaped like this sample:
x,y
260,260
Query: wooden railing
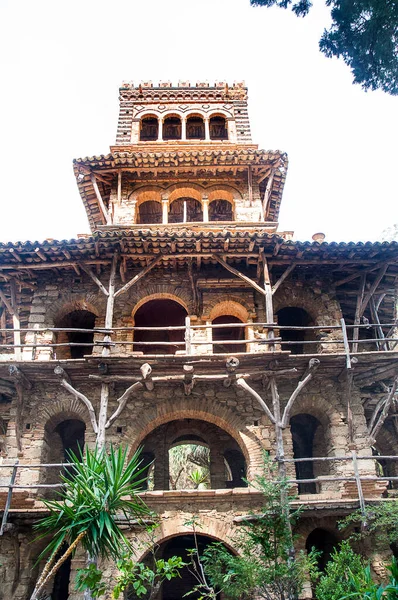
x,y
266,335
356,477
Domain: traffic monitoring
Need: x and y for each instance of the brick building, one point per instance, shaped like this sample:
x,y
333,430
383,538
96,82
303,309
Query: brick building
x,y
226,332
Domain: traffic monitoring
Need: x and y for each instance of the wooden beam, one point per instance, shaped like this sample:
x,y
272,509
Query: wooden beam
x,y
359,273
89,272
238,274
308,375
240,382
283,277
357,318
119,187
250,185
16,320
6,303
78,395
105,217
139,275
269,306
373,288
110,302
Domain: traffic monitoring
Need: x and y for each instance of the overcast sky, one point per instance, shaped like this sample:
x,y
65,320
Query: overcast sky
x,y
61,64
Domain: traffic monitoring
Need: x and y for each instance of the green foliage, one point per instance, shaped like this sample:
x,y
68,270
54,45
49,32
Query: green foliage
x,y
199,477
144,579
184,462
90,578
97,487
341,572
363,32
266,566
348,576
381,522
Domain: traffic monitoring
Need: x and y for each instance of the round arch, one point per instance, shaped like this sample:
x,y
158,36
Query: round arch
x,y
169,528
183,191
62,307
229,307
159,296
202,409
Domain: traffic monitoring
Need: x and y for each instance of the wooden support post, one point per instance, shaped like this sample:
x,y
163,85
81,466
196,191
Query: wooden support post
x,y
283,277
21,383
238,274
139,275
16,321
105,216
250,185
267,193
357,318
378,329
269,309
188,336
373,288
346,344
188,379
359,487
9,497
103,416
110,304
119,187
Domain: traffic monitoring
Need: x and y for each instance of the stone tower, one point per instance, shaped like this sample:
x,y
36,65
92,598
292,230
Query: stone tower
x,y
229,338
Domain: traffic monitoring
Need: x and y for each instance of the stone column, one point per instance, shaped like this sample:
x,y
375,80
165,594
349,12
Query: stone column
x,y
184,129
207,129
165,211
160,131
205,204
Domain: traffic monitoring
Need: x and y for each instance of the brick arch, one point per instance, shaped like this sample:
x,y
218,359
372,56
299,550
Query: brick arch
x,y
160,296
71,302
209,526
307,526
147,193
54,412
184,190
229,307
290,295
387,441
322,410
202,409
230,192
240,304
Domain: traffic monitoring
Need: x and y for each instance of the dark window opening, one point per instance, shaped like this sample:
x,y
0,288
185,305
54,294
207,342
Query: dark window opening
x,y
178,587
147,459
195,128
296,317
62,578
77,319
72,433
226,334
149,212
159,313
185,210
149,129
218,128
236,468
303,429
323,541
172,128
220,210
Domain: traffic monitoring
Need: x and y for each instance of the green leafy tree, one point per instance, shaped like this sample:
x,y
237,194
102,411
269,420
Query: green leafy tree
x,y
265,566
364,33
98,487
379,522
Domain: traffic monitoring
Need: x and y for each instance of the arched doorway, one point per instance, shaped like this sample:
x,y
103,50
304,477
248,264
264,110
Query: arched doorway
x,y
296,317
223,334
149,211
160,313
308,438
178,587
76,319
193,454
325,542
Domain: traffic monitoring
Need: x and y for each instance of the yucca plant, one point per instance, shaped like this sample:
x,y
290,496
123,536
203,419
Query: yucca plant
x,y
99,486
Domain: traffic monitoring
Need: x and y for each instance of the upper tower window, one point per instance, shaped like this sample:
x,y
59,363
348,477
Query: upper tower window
x,y
218,128
149,211
220,210
149,129
185,210
172,128
195,128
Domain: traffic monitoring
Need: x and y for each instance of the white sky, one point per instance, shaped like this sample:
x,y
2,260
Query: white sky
x,y
61,65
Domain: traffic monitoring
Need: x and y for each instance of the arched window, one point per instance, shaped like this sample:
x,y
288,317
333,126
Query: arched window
x,y
185,210
172,128
220,210
227,334
194,454
296,317
161,313
195,128
149,129
304,428
149,211
218,128
76,319
325,542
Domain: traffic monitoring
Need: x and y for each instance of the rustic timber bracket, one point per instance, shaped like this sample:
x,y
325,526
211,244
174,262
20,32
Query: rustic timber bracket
x,y
22,384
281,421
381,410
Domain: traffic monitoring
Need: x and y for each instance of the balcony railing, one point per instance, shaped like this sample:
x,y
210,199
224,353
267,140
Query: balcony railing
x,y
363,478
199,339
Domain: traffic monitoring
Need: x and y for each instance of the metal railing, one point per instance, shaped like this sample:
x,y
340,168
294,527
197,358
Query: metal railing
x,y
264,336
356,477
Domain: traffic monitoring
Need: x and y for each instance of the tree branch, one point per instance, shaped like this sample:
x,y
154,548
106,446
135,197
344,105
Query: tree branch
x,y
242,383
80,397
375,426
123,401
312,366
